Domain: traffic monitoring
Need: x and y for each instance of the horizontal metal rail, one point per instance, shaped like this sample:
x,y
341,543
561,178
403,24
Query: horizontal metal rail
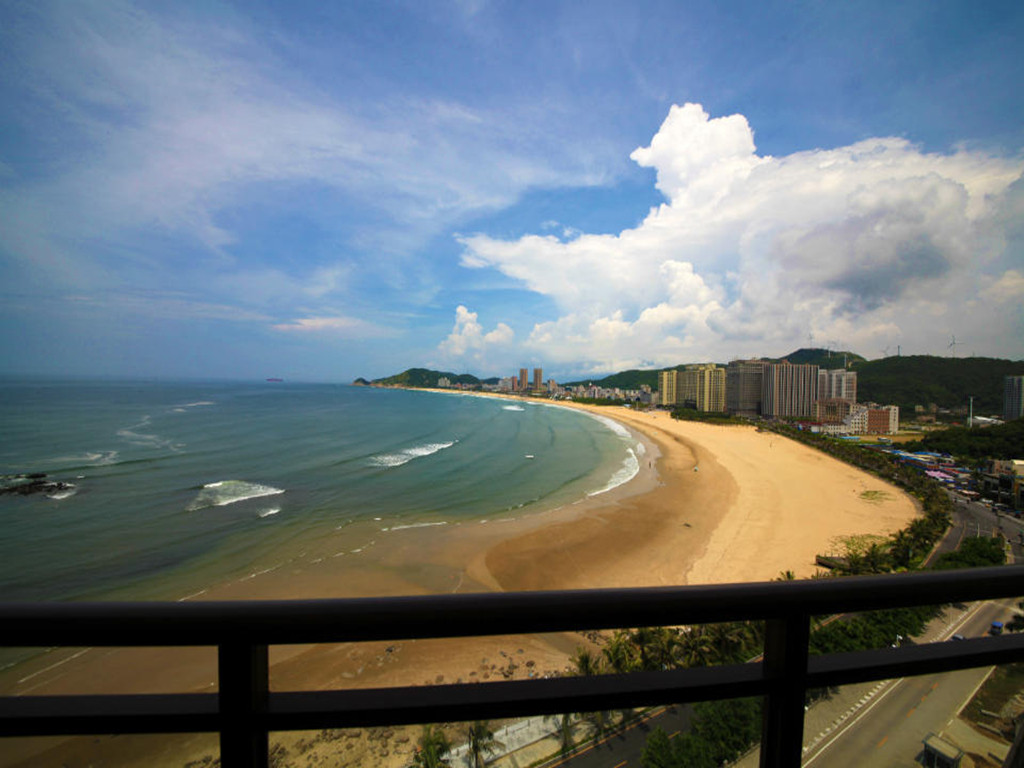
x,y
244,710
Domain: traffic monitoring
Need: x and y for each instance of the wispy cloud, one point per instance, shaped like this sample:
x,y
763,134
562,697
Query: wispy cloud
x,y
182,121
351,328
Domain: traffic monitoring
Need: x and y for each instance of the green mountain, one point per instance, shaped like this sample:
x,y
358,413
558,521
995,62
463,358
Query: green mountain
x,y
946,381
632,379
823,358
423,377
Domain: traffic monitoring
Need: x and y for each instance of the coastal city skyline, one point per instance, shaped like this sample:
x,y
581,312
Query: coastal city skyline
x,y
317,193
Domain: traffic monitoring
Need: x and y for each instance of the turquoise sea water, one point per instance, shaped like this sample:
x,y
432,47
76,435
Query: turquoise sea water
x,y
176,487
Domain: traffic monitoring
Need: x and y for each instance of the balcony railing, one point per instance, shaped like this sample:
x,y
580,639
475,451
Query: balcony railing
x,y
245,711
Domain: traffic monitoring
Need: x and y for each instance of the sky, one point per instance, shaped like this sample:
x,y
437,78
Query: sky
x,y
322,191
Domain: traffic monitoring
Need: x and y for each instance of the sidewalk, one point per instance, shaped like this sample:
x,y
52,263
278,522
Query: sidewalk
x,y
523,743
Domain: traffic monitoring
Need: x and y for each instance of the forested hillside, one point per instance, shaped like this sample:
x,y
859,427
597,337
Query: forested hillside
x,y
946,381
1005,441
423,377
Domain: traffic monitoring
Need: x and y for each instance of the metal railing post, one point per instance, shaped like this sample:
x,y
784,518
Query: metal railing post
x,y
785,660
244,683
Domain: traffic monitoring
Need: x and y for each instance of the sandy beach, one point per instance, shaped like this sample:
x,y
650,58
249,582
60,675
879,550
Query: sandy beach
x,y
710,504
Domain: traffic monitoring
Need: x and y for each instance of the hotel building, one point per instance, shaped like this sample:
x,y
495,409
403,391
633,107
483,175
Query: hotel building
x,y
789,390
839,384
743,380
701,387
1013,397
667,381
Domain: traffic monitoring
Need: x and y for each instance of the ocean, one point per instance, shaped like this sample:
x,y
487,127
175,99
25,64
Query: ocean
x,y
168,489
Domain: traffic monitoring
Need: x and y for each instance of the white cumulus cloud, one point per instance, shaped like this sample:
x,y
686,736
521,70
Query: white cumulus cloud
x,y
869,244
468,338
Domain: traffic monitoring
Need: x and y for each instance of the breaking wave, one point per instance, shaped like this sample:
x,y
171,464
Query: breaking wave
x,y
226,492
391,460
629,469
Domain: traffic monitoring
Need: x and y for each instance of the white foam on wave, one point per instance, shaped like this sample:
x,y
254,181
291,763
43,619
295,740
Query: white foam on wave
x,y
132,435
512,408
414,525
613,425
99,458
268,511
185,407
629,469
391,460
254,574
66,492
226,492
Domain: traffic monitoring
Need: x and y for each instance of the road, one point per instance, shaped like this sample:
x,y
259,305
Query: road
x,y
889,728
971,518
879,724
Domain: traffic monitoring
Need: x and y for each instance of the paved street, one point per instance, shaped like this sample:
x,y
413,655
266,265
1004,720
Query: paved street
x,y
883,723
971,518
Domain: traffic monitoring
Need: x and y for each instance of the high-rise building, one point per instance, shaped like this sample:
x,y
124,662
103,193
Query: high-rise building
x,y
1013,397
838,383
538,379
743,380
667,384
702,387
524,381
789,390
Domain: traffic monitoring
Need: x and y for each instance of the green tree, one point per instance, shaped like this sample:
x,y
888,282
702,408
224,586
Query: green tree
x,y
586,663
565,737
620,654
481,742
696,647
433,746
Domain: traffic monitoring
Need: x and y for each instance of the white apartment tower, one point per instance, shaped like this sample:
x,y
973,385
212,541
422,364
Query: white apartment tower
x,y
837,384
789,390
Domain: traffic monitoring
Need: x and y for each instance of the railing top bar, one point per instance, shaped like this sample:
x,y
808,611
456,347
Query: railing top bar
x,y
460,615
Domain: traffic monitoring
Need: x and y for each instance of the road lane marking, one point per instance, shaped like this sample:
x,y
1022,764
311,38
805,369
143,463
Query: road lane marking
x,y
895,684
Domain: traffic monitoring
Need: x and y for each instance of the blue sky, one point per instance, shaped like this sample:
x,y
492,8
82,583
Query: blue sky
x,y
321,191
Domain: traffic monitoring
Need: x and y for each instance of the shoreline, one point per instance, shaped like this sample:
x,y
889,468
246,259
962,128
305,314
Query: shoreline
x,y
709,503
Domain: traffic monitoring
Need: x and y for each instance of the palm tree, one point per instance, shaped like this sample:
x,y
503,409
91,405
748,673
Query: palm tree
x,y
433,747
876,559
619,653
697,647
481,742
586,663
600,721
564,732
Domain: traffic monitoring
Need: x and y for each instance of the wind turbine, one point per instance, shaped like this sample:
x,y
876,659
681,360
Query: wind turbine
x,y
952,345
